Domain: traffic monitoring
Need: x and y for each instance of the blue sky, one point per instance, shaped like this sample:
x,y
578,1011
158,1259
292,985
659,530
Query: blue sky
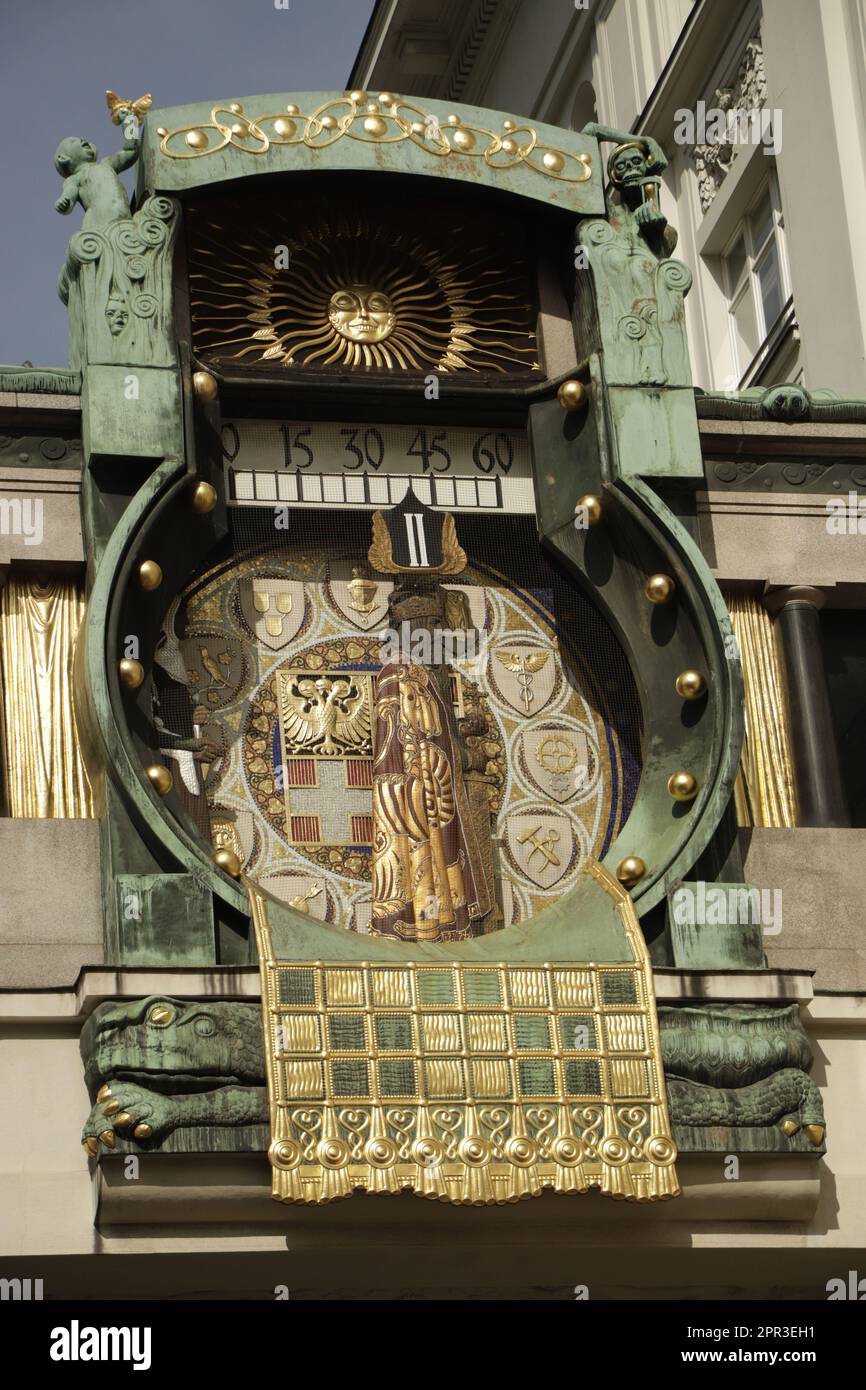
x,y
57,57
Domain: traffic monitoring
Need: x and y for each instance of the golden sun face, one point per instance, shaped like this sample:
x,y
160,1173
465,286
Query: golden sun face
x,y
361,314
349,291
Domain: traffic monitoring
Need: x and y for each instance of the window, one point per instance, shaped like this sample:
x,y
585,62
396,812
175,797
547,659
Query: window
x,y
756,277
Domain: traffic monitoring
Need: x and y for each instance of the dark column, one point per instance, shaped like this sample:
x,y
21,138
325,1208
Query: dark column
x,y
820,793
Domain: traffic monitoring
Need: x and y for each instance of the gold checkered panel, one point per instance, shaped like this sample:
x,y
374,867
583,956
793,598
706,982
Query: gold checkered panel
x,y
470,1083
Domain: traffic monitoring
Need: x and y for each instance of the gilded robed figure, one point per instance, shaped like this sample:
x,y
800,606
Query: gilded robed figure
x,y
429,881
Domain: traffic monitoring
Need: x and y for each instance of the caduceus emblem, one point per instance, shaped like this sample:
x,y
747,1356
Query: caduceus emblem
x,y
524,665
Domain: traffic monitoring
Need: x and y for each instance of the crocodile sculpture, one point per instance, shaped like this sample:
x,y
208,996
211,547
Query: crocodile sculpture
x,y
156,1065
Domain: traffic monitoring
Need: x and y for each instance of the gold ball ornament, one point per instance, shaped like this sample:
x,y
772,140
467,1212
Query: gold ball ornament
x,y
205,386
357,97
329,123
131,672
591,507
160,1016
630,870
659,588
160,779
553,161
683,786
387,98
227,860
509,146
196,139
690,685
149,576
375,126
292,109
235,107
572,395
204,497
284,128
509,125
463,139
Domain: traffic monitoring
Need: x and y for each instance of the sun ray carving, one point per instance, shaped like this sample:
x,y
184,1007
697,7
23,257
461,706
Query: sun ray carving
x,y
357,293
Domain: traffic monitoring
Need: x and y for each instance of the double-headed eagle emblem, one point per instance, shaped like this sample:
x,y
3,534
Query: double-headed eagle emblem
x,y
327,715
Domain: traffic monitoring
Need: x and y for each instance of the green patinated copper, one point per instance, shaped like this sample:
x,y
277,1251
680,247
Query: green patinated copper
x,y
786,404
164,900
244,153
735,1074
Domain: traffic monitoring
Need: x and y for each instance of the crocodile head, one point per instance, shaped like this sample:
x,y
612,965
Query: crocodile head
x,y
174,1046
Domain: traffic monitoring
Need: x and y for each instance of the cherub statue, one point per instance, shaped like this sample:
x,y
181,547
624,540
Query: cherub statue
x,y
634,168
94,182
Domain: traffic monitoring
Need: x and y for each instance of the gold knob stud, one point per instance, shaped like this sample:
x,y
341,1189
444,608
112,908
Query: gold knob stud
x,y
205,386
149,576
204,497
630,870
160,779
131,673
227,860
683,786
572,395
659,588
591,508
690,685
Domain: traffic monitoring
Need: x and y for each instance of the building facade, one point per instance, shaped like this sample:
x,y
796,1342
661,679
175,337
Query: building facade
x,y
432,661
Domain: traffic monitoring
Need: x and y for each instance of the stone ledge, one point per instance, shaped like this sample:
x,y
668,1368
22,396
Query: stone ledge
x,y
200,1190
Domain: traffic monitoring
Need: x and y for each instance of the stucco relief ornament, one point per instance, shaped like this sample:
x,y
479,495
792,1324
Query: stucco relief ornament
x,y
639,287
116,278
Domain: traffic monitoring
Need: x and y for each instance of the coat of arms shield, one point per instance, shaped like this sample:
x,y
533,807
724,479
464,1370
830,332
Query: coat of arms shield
x,y
273,609
542,845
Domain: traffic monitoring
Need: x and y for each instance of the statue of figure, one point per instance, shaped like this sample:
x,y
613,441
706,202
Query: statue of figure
x,y
639,288
94,182
432,880
634,169
116,278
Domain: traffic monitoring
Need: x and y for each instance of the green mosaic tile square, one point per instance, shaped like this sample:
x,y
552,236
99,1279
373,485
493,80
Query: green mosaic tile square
x,y
578,1031
397,1077
394,1032
618,987
436,987
346,1032
582,1076
296,986
536,1077
531,1030
350,1078
481,987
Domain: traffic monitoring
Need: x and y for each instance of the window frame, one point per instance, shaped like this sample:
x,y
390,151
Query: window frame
x,y
748,281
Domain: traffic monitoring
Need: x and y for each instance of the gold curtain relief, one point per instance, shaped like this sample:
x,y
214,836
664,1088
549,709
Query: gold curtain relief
x,y
43,775
764,791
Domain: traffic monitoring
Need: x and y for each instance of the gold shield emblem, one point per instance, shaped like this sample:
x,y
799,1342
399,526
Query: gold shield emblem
x,y
524,677
273,609
542,846
358,597
558,761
